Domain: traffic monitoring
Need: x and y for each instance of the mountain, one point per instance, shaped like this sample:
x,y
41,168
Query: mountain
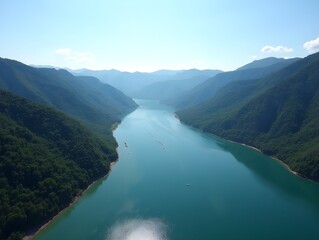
x,y
165,72
190,73
46,159
126,82
132,83
277,114
85,98
180,84
44,66
211,86
265,62
168,89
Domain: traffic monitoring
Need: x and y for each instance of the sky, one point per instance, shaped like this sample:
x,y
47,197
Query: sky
x,y
148,35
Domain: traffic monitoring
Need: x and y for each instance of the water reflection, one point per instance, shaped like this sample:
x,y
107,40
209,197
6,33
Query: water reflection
x,y
269,172
138,229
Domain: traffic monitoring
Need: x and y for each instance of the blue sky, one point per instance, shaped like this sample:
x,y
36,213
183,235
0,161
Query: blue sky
x,y
141,35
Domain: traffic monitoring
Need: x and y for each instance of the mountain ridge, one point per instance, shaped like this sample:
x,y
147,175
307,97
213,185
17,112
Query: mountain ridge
x,y
211,86
264,62
281,121
80,97
130,83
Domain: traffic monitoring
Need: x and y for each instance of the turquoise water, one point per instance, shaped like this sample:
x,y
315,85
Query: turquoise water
x,y
174,182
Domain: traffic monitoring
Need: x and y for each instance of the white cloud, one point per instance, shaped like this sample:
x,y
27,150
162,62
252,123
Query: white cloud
x,y
74,56
312,45
63,51
278,49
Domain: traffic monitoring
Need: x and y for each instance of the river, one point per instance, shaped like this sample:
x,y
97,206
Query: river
x,y
176,183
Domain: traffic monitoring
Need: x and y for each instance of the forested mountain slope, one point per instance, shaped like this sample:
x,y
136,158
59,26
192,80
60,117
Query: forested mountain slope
x,y
211,86
84,98
261,63
277,114
46,159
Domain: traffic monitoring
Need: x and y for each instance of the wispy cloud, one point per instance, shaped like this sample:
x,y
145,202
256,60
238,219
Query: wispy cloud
x,y
312,45
277,49
74,56
63,51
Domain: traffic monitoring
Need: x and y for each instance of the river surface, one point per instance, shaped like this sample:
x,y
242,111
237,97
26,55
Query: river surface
x,y
174,182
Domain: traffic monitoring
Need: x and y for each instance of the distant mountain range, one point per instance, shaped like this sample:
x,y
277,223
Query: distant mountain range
x,y
159,85
211,86
276,112
137,84
177,85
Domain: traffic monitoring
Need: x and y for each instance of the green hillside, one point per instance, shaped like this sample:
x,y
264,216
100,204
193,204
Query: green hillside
x,y
46,159
85,98
261,63
277,114
212,86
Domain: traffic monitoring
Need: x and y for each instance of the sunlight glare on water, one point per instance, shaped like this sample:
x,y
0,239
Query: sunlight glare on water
x,y
138,229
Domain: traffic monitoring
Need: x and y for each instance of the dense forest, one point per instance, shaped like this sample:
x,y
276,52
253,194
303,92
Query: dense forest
x,y
95,104
50,154
46,159
279,114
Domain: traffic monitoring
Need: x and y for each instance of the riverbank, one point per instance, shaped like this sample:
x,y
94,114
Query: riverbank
x,y
254,148
31,234
272,157
36,231
114,126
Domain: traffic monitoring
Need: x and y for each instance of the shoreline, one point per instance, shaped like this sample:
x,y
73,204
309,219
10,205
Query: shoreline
x,y
254,148
272,157
114,126
31,234
281,162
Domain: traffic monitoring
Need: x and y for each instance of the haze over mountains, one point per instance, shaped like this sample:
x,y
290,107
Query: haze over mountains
x,y
138,84
183,88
